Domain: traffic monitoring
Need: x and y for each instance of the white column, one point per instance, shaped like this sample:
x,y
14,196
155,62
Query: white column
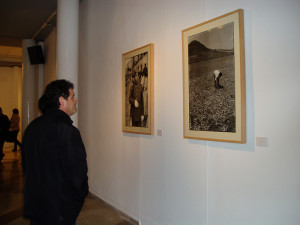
x,y
40,77
29,100
67,43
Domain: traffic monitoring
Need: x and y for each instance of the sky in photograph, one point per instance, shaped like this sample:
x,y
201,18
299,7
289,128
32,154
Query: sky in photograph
x,y
217,38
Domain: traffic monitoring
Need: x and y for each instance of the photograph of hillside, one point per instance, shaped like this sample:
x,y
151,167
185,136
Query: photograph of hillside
x,y
211,59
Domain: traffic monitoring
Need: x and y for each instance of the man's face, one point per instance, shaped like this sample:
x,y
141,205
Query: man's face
x,y
137,79
69,105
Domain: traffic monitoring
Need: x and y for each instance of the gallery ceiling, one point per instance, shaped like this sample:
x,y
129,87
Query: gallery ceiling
x,y
23,19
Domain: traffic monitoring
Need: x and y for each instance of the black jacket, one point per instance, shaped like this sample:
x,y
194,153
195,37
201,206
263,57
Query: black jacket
x,y
55,169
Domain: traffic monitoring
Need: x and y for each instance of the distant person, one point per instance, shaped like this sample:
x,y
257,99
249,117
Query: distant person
x,y
136,101
217,76
54,160
144,83
4,126
145,70
129,84
15,128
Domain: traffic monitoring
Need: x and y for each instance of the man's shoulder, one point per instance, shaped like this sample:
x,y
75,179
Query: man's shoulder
x,y
52,119
58,115
50,124
4,117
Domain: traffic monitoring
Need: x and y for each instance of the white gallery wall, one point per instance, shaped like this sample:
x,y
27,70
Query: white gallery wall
x,y
50,56
169,180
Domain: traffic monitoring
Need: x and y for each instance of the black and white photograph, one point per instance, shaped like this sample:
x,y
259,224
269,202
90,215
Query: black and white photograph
x,y
137,91
211,80
213,70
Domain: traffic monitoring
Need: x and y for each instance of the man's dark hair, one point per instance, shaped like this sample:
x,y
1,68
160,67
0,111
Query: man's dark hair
x,y
54,90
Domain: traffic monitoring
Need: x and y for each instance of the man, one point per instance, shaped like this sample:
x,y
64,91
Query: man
x,y
144,83
217,76
54,160
145,70
4,126
136,101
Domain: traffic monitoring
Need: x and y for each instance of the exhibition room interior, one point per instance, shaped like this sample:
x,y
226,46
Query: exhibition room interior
x,y
31,20
189,167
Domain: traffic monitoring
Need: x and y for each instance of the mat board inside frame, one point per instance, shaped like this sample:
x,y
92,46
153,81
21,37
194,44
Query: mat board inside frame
x,y
214,79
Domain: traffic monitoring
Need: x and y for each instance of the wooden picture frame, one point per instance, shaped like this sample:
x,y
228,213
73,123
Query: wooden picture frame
x,y
137,90
214,79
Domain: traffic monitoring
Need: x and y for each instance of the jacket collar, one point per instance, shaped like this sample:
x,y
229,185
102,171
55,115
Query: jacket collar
x,y
60,113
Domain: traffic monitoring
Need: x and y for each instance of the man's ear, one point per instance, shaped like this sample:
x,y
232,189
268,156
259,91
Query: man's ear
x,y
61,101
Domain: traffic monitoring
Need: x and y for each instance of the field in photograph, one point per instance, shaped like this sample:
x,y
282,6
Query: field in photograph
x,y
212,109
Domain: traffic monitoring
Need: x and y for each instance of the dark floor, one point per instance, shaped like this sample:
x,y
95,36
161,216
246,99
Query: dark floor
x,y
94,211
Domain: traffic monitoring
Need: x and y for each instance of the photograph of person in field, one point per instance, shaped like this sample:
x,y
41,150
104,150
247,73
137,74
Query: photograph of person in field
x,y
212,80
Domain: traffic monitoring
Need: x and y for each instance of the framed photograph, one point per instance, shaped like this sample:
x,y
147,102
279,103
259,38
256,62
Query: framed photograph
x,y
214,79
137,90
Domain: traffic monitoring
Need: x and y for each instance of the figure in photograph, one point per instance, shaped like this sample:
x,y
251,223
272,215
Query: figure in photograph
x,y
136,101
217,76
144,83
128,86
212,99
136,91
